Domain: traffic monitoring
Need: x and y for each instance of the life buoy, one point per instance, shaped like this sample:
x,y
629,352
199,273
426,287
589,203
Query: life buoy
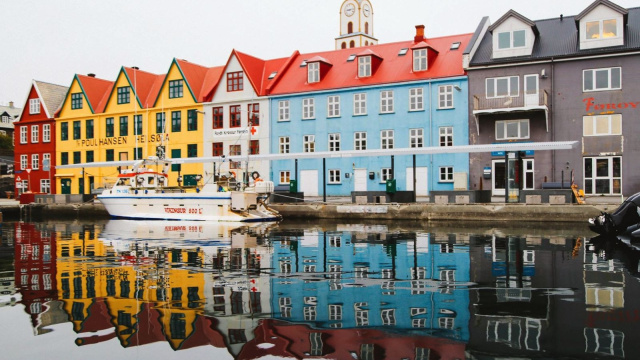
x,y
233,174
255,176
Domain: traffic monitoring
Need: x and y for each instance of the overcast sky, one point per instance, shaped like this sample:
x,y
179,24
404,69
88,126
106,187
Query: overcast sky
x,y
51,40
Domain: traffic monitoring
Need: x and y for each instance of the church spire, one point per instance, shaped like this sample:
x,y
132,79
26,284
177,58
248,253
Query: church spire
x,y
356,24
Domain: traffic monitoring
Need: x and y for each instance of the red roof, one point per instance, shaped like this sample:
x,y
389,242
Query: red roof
x,y
144,84
393,68
96,90
195,75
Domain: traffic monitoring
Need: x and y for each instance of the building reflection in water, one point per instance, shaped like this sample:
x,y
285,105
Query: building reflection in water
x,y
345,291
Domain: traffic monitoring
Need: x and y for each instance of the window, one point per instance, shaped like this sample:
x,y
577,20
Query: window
x,y
175,89
192,150
512,129
192,120
45,186
76,130
416,138
64,131
234,81
420,60
308,108
602,79
511,39
124,125
123,95
385,174
601,29
217,149
386,101
313,72
35,161
160,122
334,176
109,127
23,134
254,147
24,159
446,136
283,110
416,99
503,87
388,316
602,125
603,175
360,140
360,104
285,177
89,156
77,157
34,106
176,121
386,139
254,114
218,117
309,143
137,124
176,154
445,96
364,66
46,133
334,142
64,158
76,101
109,154
333,106
88,130
46,159
235,116
284,145
235,150
446,174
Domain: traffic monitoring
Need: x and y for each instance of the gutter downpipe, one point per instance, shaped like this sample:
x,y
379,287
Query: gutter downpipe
x,y
430,173
553,124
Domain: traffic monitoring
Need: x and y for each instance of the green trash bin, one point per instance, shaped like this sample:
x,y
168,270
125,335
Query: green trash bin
x,y
391,186
293,186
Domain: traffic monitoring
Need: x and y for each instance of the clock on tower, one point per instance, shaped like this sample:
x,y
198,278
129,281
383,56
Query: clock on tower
x,y
356,24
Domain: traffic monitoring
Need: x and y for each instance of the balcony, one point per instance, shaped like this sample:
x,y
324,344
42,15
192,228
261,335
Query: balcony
x,y
521,103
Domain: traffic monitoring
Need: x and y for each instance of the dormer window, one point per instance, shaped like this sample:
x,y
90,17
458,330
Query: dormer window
x,y
313,72
602,24
364,66
602,29
420,59
511,39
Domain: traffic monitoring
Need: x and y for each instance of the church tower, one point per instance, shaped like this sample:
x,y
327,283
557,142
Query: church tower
x,y
356,25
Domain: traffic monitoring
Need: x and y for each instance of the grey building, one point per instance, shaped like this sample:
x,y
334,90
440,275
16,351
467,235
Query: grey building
x,y
561,79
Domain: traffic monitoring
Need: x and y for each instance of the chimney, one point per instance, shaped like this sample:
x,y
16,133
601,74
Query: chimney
x,y
91,75
11,104
419,34
561,17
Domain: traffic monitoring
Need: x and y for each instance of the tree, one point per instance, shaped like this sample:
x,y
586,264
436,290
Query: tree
x,y
6,142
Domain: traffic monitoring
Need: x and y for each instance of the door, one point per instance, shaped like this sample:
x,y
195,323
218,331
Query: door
x,y
531,90
422,181
360,180
498,174
309,182
65,186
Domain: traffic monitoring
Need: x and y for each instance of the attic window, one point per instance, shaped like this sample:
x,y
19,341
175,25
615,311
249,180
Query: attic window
x,y
273,74
303,63
602,29
403,52
351,57
455,46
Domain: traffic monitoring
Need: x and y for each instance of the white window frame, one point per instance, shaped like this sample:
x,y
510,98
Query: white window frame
x,y
600,30
35,161
420,59
35,129
23,134
360,104
364,66
610,72
285,177
360,140
446,136
24,161
385,174
528,168
593,125
333,106
416,99
308,143
45,186
284,145
386,101
308,109
446,174
334,142
445,97
34,106
47,156
334,176
313,72
510,91
283,110
507,123
416,138
46,133
386,139
512,39
594,177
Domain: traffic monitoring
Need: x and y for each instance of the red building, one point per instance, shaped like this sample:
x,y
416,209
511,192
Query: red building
x,y
35,145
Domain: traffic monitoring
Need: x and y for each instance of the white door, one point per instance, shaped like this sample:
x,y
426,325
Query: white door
x,y
421,181
360,180
531,90
309,182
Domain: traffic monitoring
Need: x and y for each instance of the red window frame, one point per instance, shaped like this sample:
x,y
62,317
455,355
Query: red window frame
x,y
235,81
235,116
254,114
217,149
217,117
254,147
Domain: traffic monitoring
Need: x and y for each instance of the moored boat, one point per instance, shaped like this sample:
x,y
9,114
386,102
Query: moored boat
x,y
624,222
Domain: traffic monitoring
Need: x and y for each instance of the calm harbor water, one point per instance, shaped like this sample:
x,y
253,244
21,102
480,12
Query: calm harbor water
x,y
168,290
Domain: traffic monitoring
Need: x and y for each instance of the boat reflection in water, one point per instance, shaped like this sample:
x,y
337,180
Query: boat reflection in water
x,y
329,291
